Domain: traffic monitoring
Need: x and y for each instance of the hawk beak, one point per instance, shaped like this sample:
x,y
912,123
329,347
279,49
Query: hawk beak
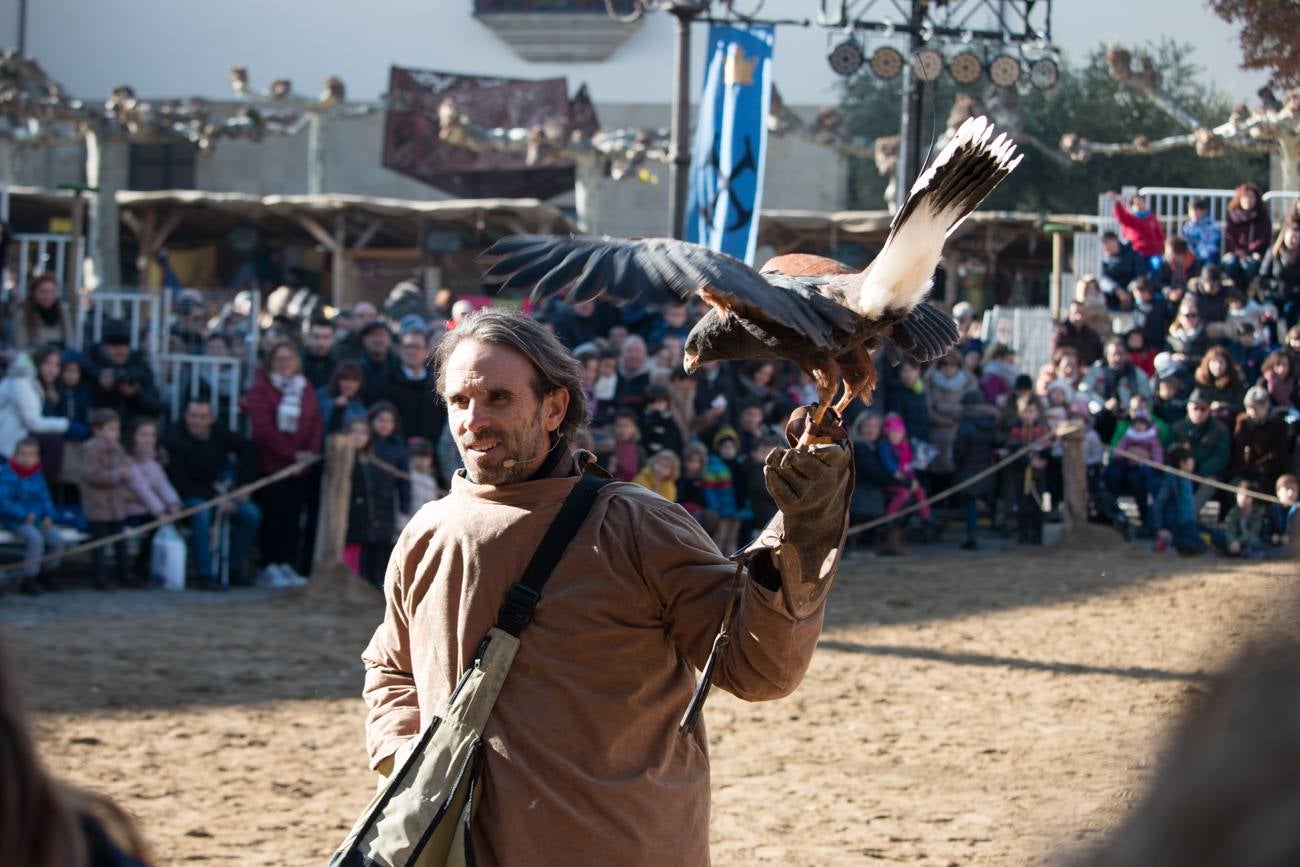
x,y
690,361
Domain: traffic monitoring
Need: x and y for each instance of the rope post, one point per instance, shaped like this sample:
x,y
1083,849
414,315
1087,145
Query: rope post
x,y
335,494
1075,472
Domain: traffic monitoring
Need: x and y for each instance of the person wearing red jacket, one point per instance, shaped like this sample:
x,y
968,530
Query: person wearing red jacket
x,y
285,425
1141,227
1246,236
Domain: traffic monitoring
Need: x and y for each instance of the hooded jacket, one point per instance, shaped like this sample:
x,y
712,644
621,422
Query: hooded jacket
x,y
21,406
584,762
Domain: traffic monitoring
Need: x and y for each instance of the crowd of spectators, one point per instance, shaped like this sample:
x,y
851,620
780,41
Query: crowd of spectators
x,y
1181,350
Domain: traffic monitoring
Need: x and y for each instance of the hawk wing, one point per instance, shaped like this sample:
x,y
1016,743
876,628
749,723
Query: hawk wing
x,y
581,269
925,335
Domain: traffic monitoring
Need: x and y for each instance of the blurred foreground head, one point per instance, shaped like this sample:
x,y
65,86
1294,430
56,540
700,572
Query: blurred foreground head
x,y
1227,792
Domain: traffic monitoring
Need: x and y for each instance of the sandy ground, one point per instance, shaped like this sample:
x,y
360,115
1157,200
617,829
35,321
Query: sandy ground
x,y
985,709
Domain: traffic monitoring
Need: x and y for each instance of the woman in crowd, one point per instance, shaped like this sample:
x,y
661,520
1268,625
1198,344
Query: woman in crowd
x,y
947,382
285,425
1279,275
870,475
1087,291
1187,339
1277,376
1220,380
44,823
22,403
42,317
49,369
1246,236
340,400
1000,372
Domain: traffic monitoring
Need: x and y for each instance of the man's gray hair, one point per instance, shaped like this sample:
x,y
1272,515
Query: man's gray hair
x,y
554,366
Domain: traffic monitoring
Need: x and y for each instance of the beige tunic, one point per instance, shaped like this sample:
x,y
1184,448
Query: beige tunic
x,y
584,764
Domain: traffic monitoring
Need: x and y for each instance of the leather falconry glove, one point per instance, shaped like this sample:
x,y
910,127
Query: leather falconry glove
x,y
811,485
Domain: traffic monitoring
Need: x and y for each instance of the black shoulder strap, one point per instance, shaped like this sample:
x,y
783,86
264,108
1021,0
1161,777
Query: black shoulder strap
x,y
521,599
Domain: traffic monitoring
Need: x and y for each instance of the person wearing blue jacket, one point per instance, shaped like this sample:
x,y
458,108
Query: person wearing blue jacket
x,y
27,510
1201,232
1173,511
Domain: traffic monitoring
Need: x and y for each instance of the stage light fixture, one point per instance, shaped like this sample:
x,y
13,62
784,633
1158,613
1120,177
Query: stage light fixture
x,y
928,64
846,58
965,68
1044,73
1004,71
886,63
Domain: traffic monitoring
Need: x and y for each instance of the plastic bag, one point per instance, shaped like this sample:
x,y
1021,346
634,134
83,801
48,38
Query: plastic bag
x,y
167,559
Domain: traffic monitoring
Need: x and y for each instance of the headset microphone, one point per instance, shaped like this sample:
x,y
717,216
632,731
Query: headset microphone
x,y
511,463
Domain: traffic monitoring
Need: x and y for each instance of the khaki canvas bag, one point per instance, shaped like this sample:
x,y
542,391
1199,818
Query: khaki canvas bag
x,y
421,815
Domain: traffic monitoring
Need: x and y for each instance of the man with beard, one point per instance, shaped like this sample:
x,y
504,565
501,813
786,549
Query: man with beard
x,y
584,760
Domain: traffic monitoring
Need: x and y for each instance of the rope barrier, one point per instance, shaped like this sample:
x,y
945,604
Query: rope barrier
x,y
398,472
960,486
189,511
1204,480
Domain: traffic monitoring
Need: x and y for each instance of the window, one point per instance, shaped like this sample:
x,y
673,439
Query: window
x,y
162,166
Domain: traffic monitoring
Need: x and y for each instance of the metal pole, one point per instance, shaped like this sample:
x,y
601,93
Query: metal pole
x,y
679,170
909,137
22,28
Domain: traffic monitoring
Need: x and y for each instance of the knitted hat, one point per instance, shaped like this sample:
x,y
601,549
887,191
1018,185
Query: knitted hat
x,y
894,422
726,432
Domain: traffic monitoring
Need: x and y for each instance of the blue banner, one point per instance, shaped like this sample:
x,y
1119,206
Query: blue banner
x,y
730,147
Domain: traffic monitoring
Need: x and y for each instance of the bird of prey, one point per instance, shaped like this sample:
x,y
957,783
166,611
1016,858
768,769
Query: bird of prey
x,y
809,310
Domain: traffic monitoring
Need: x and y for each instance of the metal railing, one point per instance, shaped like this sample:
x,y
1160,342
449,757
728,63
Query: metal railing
x,y
185,377
248,353
1279,204
140,310
1027,330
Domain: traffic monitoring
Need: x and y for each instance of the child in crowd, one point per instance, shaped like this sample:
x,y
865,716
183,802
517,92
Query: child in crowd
x,y
1247,353
761,505
1281,528
752,426
148,493
628,456
605,389
1201,232
388,445
660,475
73,398
691,492
1142,438
1023,479
896,453
659,430
1142,356
720,489
1245,527
1171,402
371,510
106,471
27,510
1173,509
424,487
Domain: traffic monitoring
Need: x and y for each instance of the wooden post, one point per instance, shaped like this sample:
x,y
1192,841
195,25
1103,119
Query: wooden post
x,y
1075,473
1057,231
335,496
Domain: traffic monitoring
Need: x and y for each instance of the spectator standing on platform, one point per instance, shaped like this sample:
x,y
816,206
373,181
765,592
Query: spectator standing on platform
x,y
318,356
285,425
369,537
340,401
1201,231
377,358
106,471
905,397
1279,274
42,319
22,403
974,452
200,454
1120,263
1261,443
121,379
27,511
1209,440
408,386
148,493
1140,226
1000,373
1246,237
946,384
1074,333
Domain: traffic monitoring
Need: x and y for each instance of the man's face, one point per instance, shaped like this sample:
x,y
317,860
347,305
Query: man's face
x,y
377,342
675,316
198,419
363,313
1115,356
633,355
414,350
1287,494
1198,412
1110,246
502,430
1076,314
320,340
116,354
